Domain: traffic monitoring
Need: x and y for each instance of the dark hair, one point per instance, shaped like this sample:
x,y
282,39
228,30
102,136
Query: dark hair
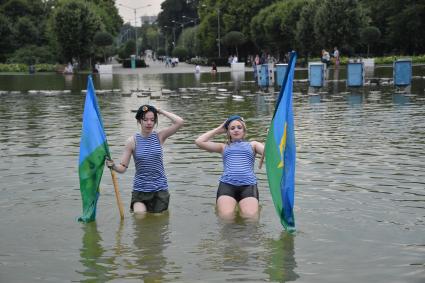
x,y
145,109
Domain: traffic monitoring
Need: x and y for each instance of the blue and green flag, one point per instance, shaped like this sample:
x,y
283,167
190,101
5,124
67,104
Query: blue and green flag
x,y
280,152
93,150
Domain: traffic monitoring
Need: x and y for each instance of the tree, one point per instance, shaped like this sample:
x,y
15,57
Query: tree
x,y
304,34
180,52
273,29
74,26
234,39
370,35
103,39
338,23
6,41
406,27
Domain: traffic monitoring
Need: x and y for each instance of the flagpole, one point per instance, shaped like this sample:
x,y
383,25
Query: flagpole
x,y
262,159
117,193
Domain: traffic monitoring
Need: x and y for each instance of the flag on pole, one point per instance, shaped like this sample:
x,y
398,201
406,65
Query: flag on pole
x,y
93,150
280,152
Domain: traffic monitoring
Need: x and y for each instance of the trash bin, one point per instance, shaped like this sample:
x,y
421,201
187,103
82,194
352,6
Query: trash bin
x,y
355,74
402,72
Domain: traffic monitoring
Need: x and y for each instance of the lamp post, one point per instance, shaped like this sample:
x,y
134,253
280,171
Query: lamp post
x,y
135,21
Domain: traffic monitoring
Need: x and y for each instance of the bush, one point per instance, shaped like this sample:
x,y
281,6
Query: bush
x,y
46,67
13,68
140,63
180,52
32,54
198,61
160,52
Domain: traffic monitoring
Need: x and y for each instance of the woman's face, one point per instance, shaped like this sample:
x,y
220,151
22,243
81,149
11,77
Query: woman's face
x,y
236,130
148,122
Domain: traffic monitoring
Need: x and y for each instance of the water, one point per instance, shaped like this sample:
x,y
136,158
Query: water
x,y
360,199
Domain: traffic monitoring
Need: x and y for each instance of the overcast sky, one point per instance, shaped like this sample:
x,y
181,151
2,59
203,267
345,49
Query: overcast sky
x,y
128,14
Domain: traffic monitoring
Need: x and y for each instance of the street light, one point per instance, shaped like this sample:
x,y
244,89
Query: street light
x,y
135,21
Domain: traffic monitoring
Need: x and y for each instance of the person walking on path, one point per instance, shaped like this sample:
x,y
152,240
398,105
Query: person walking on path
x,y
150,186
238,183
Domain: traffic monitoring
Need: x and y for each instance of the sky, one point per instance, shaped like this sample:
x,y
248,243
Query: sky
x,y
128,13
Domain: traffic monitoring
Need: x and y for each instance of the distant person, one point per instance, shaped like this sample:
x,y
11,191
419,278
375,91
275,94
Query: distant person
x,y
214,68
235,59
69,69
257,60
150,186
336,56
230,60
197,69
238,183
326,58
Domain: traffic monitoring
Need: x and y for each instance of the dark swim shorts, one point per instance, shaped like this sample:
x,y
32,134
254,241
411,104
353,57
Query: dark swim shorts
x,y
237,192
155,202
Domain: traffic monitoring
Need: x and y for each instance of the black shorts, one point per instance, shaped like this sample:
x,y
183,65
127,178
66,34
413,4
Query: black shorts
x,y
155,202
237,192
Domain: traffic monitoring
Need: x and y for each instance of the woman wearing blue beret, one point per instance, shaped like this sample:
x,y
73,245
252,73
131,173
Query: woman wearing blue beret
x,y
238,183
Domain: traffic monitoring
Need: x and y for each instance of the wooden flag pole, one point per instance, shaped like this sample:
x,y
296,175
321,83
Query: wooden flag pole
x,y
117,193
260,164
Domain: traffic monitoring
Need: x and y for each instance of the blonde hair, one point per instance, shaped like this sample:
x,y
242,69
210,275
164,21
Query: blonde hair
x,y
229,138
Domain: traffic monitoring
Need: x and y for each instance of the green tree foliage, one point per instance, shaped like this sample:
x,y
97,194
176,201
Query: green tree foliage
x,y
33,54
273,29
127,49
180,52
108,13
369,36
304,34
234,39
74,26
338,23
103,39
406,28
174,10
6,42
16,8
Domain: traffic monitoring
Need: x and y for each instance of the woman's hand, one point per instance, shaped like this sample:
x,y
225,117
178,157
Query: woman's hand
x,y
221,129
109,163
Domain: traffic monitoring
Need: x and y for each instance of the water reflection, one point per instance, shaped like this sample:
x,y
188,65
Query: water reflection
x,y
105,81
400,99
92,255
355,97
151,237
244,246
281,261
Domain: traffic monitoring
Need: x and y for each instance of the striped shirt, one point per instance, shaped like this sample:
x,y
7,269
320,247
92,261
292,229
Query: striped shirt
x,y
238,163
150,173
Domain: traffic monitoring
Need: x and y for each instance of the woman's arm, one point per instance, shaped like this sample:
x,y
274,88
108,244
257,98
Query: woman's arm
x,y
177,123
258,147
203,141
125,158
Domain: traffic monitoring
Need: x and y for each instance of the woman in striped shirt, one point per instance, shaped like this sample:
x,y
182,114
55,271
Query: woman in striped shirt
x,y
150,187
238,183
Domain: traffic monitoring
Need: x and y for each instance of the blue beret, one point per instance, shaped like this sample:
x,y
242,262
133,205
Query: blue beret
x,y
232,118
